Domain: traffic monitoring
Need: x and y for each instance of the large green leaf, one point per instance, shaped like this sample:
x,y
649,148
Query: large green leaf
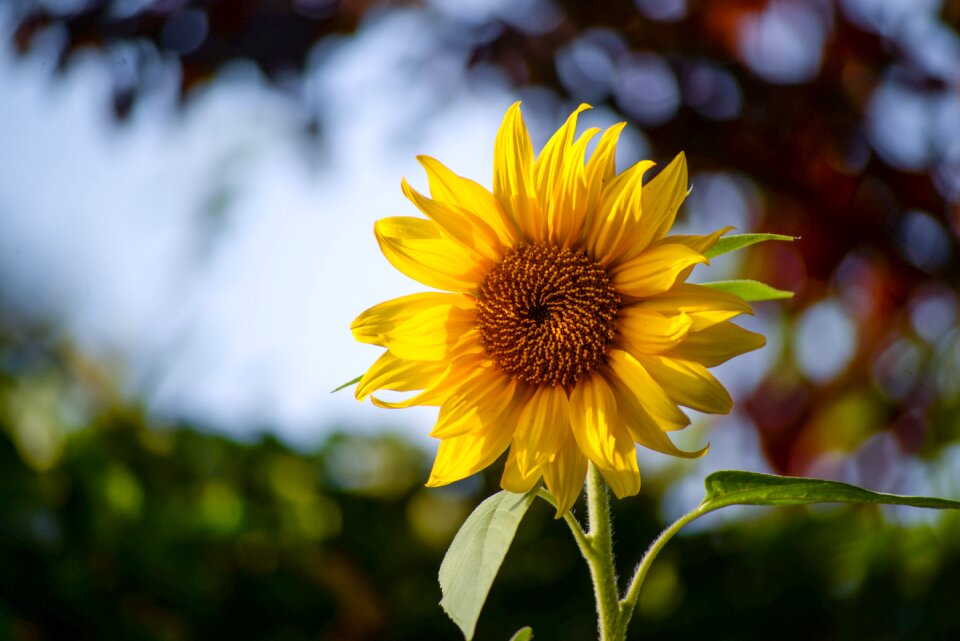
x,y
733,243
750,488
475,556
749,290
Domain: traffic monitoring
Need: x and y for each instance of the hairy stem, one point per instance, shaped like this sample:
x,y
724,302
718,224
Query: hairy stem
x,y
599,556
629,601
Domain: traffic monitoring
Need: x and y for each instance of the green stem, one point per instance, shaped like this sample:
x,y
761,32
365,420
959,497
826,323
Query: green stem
x,y
629,602
578,534
599,556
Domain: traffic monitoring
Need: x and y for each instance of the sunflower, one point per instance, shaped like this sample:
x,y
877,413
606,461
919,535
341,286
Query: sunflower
x,y
563,329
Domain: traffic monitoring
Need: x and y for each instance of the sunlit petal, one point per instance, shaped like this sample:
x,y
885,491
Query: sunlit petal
x,y
415,247
655,270
513,183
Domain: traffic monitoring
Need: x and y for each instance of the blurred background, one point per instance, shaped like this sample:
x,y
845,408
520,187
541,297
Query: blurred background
x,y
187,193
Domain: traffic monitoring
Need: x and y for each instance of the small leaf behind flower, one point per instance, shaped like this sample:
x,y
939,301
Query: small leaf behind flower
x,y
731,487
749,290
523,634
348,384
475,556
733,243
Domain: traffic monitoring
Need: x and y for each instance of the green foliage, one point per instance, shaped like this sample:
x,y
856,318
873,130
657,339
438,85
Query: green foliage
x,y
353,381
523,634
475,556
732,487
749,290
733,243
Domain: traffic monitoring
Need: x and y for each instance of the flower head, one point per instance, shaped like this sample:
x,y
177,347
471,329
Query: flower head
x,y
563,329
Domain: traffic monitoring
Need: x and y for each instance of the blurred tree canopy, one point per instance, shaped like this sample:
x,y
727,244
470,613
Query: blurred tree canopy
x,y
113,527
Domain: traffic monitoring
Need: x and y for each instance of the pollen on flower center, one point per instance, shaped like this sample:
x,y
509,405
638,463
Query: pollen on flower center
x,y
546,314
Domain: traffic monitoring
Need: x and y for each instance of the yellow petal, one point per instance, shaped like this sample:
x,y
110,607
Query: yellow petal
x,y
717,344
448,187
372,325
476,403
600,435
513,480
392,373
643,428
432,334
513,183
570,198
617,215
564,474
700,243
548,168
415,247
638,384
475,236
688,384
648,332
543,423
655,270
454,372
602,166
704,305
560,181
662,197
461,456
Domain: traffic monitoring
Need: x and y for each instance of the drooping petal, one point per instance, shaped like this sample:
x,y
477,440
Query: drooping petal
x,y
415,247
374,324
461,456
687,383
717,344
655,270
564,474
648,332
662,197
513,480
513,183
469,231
542,425
704,305
391,373
639,385
448,187
617,215
478,402
643,428
600,434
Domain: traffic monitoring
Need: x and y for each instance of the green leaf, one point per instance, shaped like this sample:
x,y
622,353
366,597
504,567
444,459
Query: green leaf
x,y
475,556
733,243
750,488
348,384
523,634
749,290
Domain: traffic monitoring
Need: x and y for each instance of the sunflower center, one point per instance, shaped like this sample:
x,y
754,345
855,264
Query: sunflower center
x,y
546,314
